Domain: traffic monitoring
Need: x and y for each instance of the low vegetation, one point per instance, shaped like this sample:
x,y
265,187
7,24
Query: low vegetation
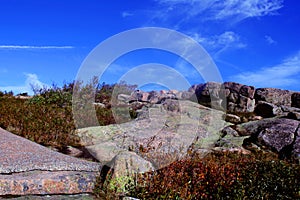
x,y
46,118
221,175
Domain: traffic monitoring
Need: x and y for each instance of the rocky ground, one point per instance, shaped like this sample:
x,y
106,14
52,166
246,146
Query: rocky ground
x,y
31,169
208,117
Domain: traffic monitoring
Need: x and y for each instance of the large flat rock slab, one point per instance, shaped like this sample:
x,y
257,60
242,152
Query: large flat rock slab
x,y
27,168
19,155
45,182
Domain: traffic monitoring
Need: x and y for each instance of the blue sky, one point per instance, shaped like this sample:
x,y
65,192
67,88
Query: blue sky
x,y
254,42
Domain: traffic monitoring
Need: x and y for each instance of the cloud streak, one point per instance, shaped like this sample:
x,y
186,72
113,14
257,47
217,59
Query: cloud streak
x,y
270,40
16,47
32,80
217,44
126,14
286,74
234,10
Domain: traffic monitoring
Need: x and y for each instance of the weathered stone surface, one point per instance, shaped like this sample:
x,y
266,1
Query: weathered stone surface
x,y
122,170
230,138
155,97
129,163
291,112
240,98
211,94
274,96
296,147
234,97
232,118
29,168
277,136
162,129
244,90
74,152
104,152
44,182
296,100
229,131
267,110
20,155
171,105
124,98
272,133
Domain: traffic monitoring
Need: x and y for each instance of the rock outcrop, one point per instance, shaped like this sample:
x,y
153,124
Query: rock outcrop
x,y
170,127
240,104
240,98
233,97
28,168
208,117
266,110
279,135
274,96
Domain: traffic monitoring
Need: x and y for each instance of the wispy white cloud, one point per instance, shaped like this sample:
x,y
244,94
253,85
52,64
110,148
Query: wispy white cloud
x,y
284,75
220,43
126,14
16,47
246,8
234,10
270,40
32,80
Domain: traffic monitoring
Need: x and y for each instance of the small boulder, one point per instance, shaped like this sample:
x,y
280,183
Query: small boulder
x,y
124,98
211,94
232,118
123,168
104,152
266,109
275,134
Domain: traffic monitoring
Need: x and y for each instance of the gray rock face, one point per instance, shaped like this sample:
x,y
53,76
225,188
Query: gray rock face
x,y
155,97
45,182
170,127
28,168
240,98
296,100
234,97
122,170
36,157
267,110
230,138
276,134
211,94
129,163
296,146
274,96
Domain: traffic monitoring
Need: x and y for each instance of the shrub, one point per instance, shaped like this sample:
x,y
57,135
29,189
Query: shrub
x,y
221,176
46,124
47,117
